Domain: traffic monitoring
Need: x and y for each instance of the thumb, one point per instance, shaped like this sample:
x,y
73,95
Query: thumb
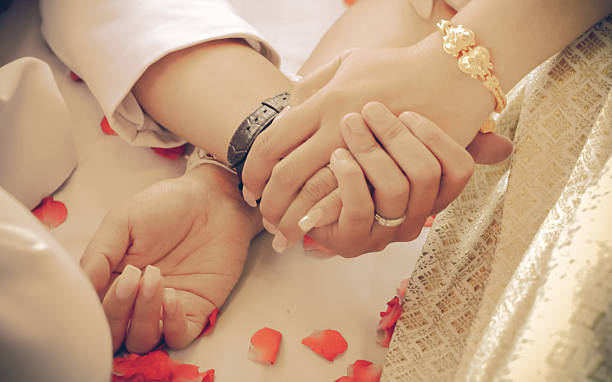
x,y
489,148
106,250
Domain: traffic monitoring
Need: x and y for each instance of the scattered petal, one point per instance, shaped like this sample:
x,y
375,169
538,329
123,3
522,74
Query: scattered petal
x,y
170,153
350,2
327,343
362,371
401,287
212,319
386,326
429,221
74,77
157,366
51,212
390,316
106,129
264,346
311,245
365,371
383,336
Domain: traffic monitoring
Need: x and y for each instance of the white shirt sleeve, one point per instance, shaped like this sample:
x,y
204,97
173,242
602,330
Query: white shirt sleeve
x,y
111,43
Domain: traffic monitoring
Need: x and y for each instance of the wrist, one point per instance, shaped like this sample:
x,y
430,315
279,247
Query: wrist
x,y
209,176
466,103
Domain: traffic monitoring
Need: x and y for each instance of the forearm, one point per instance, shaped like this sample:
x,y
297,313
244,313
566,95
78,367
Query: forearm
x,y
202,93
521,34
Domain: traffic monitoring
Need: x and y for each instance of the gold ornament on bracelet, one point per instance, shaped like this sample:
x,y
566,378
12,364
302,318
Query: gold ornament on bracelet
x,y
474,60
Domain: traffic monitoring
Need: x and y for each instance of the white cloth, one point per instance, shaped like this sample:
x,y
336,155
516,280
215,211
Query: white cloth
x,y
110,44
37,153
52,327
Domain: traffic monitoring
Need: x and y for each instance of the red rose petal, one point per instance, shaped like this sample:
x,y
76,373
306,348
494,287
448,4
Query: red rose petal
x,y
327,343
106,129
264,346
401,287
390,316
156,366
170,153
350,2
362,371
429,221
311,244
212,319
74,77
51,212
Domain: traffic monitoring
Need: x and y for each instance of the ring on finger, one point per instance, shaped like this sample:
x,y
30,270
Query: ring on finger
x,y
386,222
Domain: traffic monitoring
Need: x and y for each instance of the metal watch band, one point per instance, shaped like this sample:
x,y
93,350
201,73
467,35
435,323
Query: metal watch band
x,y
251,127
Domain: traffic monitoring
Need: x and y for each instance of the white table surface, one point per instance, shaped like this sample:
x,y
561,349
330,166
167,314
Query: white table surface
x,y
295,292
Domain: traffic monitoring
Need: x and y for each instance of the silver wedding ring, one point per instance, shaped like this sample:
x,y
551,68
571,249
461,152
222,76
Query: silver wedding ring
x,y
383,221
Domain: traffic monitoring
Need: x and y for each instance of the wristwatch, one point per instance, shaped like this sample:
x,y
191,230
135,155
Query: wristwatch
x,y
250,128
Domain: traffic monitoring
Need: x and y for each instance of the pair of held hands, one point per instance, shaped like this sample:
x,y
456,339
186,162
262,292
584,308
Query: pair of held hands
x,y
191,234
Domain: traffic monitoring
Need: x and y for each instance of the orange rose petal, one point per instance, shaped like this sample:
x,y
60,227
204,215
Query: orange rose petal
x,y
212,319
401,287
365,371
327,343
311,245
362,371
429,221
106,129
264,346
170,153
51,212
156,366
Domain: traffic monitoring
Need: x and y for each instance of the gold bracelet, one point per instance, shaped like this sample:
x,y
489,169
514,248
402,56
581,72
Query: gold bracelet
x,y
473,60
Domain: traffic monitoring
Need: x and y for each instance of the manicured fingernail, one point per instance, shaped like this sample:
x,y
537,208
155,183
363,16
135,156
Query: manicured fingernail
x,y
269,226
279,243
310,220
128,282
169,300
410,118
374,111
355,123
150,281
249,198
339,155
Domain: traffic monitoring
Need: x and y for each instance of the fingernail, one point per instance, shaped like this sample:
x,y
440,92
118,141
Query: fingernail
x,y
355,123
310,220
410,118
150,281
279,243
339,155
169,300
249,198
374,111
128,282
269,226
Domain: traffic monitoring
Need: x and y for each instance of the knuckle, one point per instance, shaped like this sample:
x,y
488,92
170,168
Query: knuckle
x,y
392,130
432,136
318,187
396,191
426,172
263,144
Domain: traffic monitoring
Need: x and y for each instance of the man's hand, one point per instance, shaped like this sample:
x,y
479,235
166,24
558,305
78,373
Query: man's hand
x,y
192,235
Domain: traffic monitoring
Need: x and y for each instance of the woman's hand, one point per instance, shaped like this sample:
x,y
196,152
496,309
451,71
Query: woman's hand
x,y
412,169
192,235
420,78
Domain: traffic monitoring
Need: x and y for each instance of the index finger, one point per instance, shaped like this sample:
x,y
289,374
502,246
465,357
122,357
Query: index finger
x,y
106,249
